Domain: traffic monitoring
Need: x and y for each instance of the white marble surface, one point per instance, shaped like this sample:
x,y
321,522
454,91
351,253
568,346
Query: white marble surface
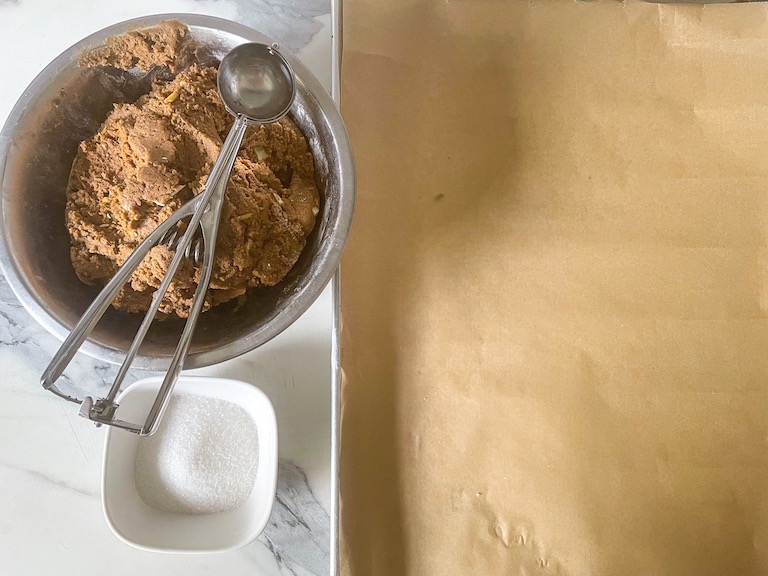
x,y
50,513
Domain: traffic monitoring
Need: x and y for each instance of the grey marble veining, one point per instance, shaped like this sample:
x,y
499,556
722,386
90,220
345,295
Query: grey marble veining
x,y
20,333
298,531
288,21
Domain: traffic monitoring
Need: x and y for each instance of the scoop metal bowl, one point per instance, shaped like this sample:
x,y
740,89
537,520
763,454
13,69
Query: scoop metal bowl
x,y
258,87
66,104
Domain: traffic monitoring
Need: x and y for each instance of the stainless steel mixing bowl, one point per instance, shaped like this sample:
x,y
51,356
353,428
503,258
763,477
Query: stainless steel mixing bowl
x,y
66,104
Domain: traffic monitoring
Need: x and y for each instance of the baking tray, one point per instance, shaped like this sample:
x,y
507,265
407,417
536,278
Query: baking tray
x,y
336,323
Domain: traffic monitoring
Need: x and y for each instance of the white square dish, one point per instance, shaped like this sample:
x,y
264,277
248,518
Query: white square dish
x,y
141,526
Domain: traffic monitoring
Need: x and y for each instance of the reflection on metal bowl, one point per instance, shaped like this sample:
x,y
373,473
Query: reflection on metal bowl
x,y
66,104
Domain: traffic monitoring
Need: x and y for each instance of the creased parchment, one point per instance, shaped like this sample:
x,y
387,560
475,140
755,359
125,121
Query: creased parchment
x,y
555,294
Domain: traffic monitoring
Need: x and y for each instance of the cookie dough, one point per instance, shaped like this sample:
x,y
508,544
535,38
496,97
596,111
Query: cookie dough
x,y
150,157
159,45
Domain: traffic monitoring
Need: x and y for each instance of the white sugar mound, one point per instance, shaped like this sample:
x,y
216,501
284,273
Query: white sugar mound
x,y
202,460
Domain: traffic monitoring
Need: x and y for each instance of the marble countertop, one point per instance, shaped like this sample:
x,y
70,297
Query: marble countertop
x,y
50,459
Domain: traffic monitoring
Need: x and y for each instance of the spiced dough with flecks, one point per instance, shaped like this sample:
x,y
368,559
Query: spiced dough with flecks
x,y
151,156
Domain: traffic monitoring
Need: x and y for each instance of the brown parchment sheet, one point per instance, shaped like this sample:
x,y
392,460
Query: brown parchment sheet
x,y
555,294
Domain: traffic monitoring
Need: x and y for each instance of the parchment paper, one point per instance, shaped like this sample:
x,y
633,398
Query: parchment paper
x,y
555,295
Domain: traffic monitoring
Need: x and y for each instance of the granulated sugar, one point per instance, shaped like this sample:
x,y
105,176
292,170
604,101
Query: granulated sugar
x,y
202,460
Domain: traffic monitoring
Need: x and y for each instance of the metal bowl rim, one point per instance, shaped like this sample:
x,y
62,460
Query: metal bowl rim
x,y
328,258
